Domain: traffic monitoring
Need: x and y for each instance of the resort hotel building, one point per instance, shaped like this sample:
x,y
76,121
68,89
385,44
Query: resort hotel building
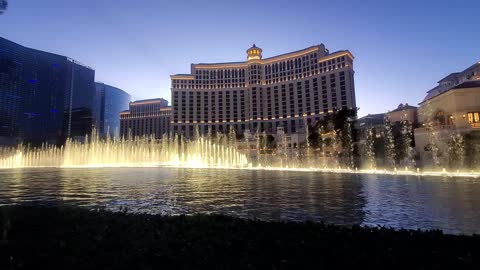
x,y
263,94
146,118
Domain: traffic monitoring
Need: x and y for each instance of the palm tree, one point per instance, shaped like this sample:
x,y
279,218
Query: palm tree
x,y
3,6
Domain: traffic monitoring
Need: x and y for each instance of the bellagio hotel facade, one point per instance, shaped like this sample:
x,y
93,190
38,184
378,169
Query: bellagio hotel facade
x,y
263,94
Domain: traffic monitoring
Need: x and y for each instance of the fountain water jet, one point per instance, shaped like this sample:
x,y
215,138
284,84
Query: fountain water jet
x,y
138,151
173,150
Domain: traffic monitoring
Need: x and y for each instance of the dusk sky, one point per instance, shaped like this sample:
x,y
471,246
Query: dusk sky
x,y
401,48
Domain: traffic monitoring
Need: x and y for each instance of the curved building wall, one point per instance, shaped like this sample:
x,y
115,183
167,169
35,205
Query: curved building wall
x,y
33,85
112,101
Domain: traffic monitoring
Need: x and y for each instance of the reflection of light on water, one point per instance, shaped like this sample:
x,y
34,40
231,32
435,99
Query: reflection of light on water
x,y
203,152
375,172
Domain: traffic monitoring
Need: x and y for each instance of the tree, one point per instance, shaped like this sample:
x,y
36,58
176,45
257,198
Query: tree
x,y
314,137
3,6
342,116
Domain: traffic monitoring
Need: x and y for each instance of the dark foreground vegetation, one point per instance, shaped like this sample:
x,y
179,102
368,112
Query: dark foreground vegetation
x,y
75,238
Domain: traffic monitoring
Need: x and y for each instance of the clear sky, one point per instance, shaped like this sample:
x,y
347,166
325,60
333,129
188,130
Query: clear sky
x,y
401,48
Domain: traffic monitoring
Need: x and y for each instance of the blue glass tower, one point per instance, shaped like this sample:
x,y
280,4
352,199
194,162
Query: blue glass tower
x,y
111,101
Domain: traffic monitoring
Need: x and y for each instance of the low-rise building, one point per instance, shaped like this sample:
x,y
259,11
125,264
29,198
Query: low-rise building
x,y
110,102
370,121
450,109
403,112
149,117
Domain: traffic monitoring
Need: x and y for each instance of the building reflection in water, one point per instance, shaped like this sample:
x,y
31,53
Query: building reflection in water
x,y
409,202
451,204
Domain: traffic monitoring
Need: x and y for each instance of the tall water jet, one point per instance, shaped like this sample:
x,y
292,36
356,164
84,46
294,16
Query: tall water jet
x,y
337,148
137,151
232,136
258,145
282,150
307,142
390,154
456,151
323,145
432,135
348,144
370,150
409,151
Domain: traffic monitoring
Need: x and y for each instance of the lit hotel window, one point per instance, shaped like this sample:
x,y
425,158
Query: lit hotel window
x,y
473,117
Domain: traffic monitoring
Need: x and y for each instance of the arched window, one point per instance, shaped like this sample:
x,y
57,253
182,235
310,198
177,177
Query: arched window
x,y
440,118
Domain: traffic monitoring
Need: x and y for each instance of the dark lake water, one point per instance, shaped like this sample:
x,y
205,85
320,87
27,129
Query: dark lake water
x,y
451,204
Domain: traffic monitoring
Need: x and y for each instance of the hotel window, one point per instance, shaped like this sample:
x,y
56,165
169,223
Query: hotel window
x,y
473,117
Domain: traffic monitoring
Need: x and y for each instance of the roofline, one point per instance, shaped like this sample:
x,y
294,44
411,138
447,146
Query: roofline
x,y
447,91
147,101
372,115
280,57
458,73
54,54
472,66
169,108
302,51
116,88
403,108
451,74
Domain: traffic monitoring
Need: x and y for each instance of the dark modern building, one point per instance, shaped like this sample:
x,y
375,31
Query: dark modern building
x,y
111,101
81,107
146,117
32,90
44,97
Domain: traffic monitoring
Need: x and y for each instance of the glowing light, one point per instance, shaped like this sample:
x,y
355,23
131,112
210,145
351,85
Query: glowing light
x,y
134,152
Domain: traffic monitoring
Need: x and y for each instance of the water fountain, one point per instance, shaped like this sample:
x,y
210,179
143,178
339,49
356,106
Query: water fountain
x,y
137,151
390,154
222,151
370,150
408,151
348,147
456,151
257,144
323,145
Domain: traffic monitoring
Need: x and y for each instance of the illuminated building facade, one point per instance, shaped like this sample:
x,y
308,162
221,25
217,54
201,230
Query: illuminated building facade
x,y
452,107
146,117
111,101
403,112
263,93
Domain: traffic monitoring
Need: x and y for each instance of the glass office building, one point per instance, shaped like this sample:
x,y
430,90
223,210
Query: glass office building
x,y
44,97
111,101
32,88
81,110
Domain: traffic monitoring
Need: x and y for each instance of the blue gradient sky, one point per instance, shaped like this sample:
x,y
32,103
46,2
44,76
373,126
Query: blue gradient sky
x,y
402,49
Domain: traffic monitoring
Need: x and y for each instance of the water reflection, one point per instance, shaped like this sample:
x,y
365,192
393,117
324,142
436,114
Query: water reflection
x,y
412,202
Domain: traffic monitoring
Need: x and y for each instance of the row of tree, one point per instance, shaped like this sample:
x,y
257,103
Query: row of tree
x,y
393,148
